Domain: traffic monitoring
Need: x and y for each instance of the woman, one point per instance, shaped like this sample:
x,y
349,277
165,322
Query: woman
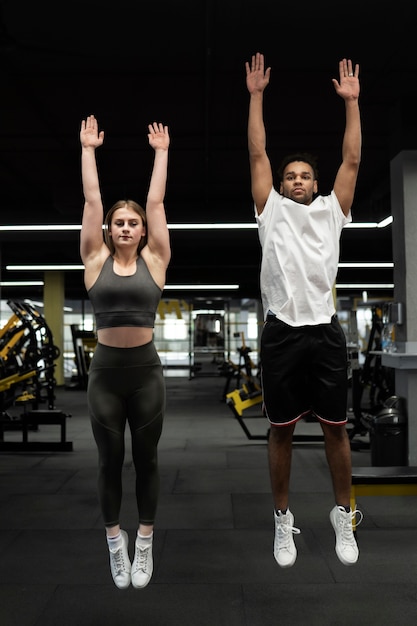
x,y
124,276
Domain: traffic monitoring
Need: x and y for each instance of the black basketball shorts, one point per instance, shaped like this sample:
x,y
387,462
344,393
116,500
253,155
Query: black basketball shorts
x,y
303,370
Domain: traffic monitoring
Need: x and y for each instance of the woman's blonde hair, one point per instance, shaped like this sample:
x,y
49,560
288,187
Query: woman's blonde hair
x,y
121,204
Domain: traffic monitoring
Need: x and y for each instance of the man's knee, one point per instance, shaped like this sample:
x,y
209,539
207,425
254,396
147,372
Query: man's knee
x,y
282,434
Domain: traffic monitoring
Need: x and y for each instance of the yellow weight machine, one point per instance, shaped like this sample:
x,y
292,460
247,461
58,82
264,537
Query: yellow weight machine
x,y
27,355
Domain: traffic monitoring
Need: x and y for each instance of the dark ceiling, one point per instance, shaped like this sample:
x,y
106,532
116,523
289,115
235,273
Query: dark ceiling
x,y
182,62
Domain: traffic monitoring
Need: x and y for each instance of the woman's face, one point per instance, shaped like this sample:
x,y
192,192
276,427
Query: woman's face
x,y
126,228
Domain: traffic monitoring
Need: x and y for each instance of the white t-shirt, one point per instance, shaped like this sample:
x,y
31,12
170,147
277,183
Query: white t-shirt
x,y
300,255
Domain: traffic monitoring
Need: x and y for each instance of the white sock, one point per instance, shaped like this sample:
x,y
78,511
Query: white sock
x,y
114,542
145,538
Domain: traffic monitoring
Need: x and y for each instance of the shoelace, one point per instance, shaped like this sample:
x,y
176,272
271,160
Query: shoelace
x,y
118,560
141,559
285,530
345,522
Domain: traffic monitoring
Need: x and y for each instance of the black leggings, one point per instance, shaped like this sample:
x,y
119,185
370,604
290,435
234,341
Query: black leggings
x,y
127,384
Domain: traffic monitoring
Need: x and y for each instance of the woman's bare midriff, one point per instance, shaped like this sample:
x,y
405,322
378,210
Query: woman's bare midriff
x,y
124,337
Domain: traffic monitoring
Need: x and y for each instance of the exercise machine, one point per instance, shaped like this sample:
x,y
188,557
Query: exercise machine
x,y
242,371
239,401
372,383
27,356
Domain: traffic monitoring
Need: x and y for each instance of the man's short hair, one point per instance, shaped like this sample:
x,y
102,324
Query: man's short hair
x,y
305,157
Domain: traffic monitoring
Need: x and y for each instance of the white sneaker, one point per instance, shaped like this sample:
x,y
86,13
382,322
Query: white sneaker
x,y
285,551
120,563
142,566
346,546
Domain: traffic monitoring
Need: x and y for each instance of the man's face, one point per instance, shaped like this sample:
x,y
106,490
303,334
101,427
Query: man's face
x,y
298,182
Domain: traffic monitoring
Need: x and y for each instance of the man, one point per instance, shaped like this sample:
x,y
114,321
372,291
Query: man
x,y
303,349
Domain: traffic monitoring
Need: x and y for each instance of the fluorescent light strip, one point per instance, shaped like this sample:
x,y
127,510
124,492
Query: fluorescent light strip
x,y
21,283
183,287
382,224
197,226
36,268
81,267
365,286
208,226
385,222
358,265
40,227
200,287
361,225
67,309
186,226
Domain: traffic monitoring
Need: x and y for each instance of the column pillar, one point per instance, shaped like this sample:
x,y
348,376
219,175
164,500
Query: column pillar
x,y
54,299
404,237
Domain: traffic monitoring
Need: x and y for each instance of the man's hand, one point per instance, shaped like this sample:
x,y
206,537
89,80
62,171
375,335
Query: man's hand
x,y
348,85
256,76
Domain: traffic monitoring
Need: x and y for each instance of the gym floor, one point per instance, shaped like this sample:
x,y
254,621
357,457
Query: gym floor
x,y
213,560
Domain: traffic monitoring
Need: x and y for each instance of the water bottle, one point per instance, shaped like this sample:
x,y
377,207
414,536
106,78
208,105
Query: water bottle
x,y
387,343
